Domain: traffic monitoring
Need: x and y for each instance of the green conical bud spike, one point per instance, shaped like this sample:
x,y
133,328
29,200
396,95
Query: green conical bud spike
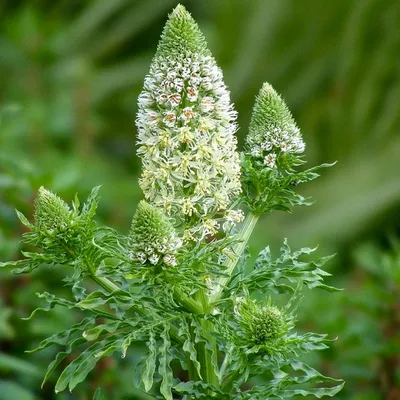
x,y
273,130
152,236
52,214
181,34
269,109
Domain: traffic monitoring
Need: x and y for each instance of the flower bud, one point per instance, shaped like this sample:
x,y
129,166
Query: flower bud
x,y
152,237
262,324
273,131
52,215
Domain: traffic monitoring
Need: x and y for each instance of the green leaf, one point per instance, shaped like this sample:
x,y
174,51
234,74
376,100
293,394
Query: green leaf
x,y
99,395
60,357
78,369
150,366
164,368
62,338
283,274
23,219
109,327
188,345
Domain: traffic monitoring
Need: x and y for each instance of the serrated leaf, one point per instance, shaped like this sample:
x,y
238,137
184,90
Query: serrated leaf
x,y
188,345
60,357
62,338
164,368
150,365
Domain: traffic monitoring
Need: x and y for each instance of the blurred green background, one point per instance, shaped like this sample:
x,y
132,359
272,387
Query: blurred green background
x,y
70,74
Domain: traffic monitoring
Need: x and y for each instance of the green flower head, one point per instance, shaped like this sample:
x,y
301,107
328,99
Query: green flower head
x,y
152,237
273,130
262,325
186,129
52,215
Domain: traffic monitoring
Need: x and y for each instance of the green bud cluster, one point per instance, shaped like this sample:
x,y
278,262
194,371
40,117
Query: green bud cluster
x,y
152,237
262,325
52,214
55,224
273,131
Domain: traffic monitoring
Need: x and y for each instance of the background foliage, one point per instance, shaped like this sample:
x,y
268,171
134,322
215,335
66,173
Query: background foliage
x,y
70,75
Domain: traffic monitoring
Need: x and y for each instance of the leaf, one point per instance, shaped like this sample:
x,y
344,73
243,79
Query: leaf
x,y
99,395
109,327
188,345
23,219
90,206
99,298
78,369
200,390
150,366
164,368
62,338
282,275
60,357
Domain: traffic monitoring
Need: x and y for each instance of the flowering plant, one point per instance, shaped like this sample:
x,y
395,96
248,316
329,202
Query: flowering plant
x,y
176,281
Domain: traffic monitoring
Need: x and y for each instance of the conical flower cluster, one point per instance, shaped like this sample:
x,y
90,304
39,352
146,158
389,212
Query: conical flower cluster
x,y
273,131
186,125
152,237
52,215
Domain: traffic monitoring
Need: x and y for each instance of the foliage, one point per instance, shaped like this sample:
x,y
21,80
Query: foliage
x,y
165,302
68,127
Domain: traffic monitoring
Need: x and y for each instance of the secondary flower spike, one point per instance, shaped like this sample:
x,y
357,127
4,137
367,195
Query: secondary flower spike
x,y
152,237
52,215
186,128
273,130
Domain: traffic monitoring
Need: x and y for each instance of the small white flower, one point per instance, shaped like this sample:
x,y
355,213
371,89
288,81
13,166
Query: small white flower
x,y
148,250
270,160
179,84
162,98
211,227
206,104
169,118
185,135
175,244
170,260
284,147
266,146
234,216
141,257
162,248
192,94
206,83
187,114
174,99
154,259
188,206
256,151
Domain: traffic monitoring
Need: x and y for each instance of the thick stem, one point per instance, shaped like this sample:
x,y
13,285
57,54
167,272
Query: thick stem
x,y
244,236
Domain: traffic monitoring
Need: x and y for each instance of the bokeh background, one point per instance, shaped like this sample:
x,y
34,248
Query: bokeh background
x,y
70,74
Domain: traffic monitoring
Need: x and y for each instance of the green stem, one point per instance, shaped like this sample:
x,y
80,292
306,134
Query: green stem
x,y
244,236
